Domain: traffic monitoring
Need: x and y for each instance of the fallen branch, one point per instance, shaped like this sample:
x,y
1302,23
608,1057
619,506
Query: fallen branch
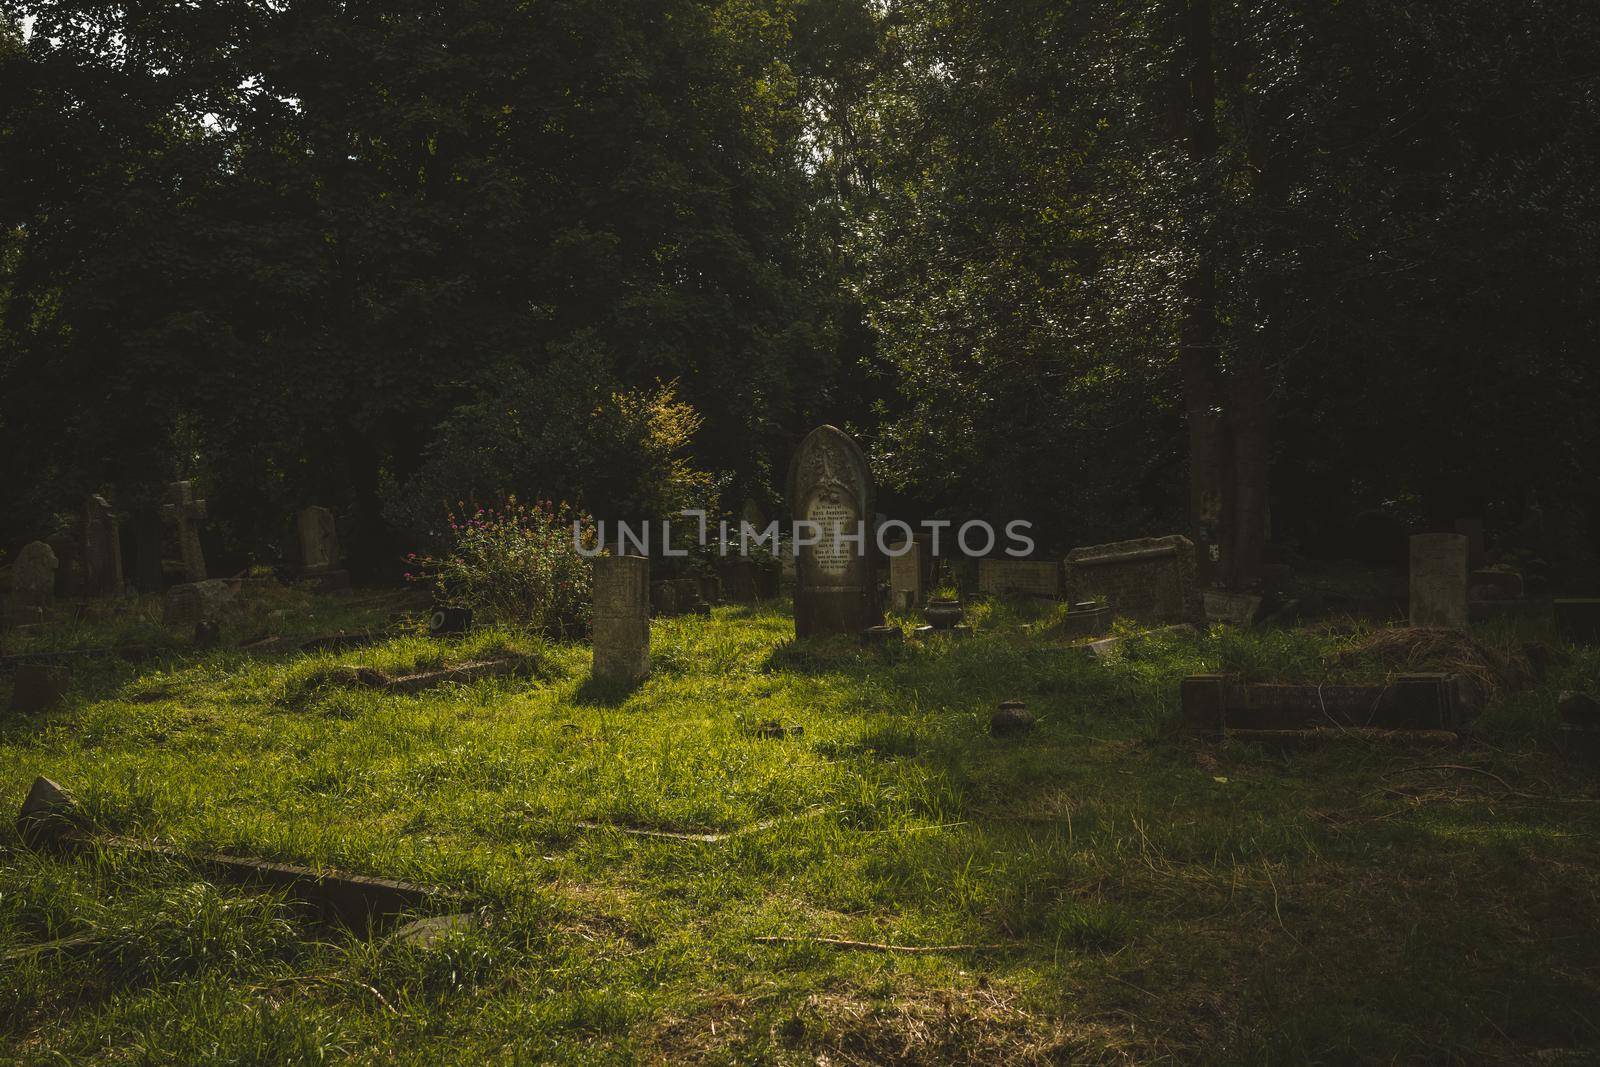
x,y
872,946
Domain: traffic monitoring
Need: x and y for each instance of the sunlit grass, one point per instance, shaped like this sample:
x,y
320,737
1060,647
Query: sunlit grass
x,y
1133,894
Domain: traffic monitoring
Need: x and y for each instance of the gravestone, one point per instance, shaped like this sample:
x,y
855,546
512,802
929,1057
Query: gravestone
x,y
740,582
183,512
1439,580
195,602
33,579
830,486
102,550
319,550
906,590
1019,577
621,627
1236,609
1149,578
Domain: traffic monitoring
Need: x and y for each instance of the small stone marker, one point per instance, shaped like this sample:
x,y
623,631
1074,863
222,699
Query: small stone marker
x,y
1019,577
102,550
319,550
195,602
1151,579
1085,619
621,618
33,579
1236,609
49,815
740,583
830,486
1494,584
1439,580
1011,718
905,579
183,512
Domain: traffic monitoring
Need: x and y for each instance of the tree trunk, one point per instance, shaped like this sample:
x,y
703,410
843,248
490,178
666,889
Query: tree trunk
x,y
1198,352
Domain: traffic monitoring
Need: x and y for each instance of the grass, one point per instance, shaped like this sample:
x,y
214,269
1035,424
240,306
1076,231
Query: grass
x,y
1143,897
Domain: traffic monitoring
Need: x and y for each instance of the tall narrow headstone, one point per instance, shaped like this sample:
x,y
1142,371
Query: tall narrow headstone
x,y
905,579
319,550
1439,580
33,579
621,625
102,549
830,490
184,511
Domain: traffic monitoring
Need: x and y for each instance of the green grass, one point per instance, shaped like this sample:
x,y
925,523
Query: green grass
x,y
1148,897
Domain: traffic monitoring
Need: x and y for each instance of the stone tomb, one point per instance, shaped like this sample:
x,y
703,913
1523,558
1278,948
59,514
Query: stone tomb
x,y
1019,577
1214,704
621,627
319,550
1150,578
1439,580
33,579
830,486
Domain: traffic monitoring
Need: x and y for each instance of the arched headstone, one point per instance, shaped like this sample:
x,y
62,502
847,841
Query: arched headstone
x,y
830,487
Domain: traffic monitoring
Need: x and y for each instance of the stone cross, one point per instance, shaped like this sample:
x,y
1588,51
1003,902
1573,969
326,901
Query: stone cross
x,y
1439,580
102,549
183,512
33,578
831,490
621,625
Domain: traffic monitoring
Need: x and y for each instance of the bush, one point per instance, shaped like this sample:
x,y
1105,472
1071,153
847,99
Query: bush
x,y
516,563
568,429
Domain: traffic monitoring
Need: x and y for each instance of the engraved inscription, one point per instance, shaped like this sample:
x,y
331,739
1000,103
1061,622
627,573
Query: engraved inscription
x,y
831,557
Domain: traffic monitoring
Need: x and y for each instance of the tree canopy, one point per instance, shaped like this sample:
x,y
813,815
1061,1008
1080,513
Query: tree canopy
x,y
1114,267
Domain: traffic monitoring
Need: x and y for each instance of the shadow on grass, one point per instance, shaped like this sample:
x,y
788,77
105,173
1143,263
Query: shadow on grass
x,y
605,692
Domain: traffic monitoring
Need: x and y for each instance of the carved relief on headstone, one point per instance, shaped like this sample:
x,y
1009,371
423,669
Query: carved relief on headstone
x,y
831,490
183,512
102,549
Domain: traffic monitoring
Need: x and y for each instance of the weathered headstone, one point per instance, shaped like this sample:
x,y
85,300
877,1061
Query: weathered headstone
x,y
33,579
319,550
621,625
193,602
905,579
1578,620
183,512
740,583
1439,580
1150,578
830,487
102,550
1236,609
1019,577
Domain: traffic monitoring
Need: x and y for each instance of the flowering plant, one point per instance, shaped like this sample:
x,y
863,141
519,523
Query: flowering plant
x,y
516,563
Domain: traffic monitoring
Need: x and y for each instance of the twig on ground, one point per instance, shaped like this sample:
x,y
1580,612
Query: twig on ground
x,y
873,946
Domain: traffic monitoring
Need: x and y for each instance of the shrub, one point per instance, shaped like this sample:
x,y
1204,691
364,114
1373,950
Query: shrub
x,y
515,563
